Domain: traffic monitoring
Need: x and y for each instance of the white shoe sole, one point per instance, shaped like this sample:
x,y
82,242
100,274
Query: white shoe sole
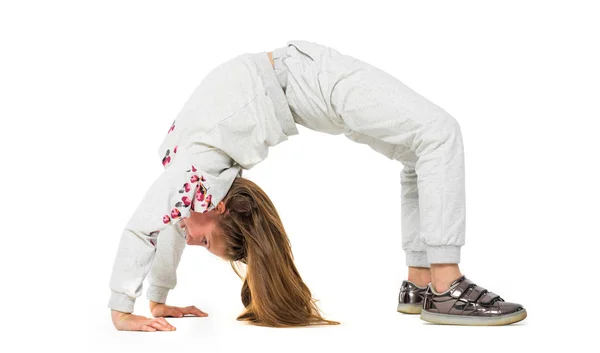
x,y
409,308
446,319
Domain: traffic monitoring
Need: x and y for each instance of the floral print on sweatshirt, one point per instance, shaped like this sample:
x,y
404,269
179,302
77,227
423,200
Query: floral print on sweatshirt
x,y
167,158
194,194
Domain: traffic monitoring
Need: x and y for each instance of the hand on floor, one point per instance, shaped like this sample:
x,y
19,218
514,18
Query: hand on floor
x,y
131,322
164,310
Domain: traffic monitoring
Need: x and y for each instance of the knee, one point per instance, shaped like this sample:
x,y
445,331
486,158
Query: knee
x,y
448,128
442,131
449,123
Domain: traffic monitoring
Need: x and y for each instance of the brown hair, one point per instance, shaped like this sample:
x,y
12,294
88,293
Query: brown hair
x,y
273,292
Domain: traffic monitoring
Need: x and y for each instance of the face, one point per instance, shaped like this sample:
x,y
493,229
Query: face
x,y
200,229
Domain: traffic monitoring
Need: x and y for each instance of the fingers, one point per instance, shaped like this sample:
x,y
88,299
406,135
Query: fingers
x,y
160,327
175,312
159,324
166,324
193,311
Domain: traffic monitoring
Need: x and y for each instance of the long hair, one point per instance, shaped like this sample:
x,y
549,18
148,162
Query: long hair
x,y
273,292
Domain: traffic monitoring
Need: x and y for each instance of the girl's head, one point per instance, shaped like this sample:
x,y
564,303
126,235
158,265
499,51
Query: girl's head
x,y
202,229
245,227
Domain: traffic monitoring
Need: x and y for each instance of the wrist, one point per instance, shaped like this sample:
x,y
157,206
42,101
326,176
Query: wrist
x,y
121,302
118,316
153,304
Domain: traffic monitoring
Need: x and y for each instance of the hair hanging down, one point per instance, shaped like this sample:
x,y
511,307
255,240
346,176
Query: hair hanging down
x,y
273,292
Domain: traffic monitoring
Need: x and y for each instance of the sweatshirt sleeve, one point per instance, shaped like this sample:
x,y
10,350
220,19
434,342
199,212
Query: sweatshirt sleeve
x,y
190,181
163,274
200,165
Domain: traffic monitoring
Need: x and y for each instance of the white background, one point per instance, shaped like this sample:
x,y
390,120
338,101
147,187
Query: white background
x,y
89,89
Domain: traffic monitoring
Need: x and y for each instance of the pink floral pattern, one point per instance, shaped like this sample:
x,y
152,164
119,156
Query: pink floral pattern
x,y
202,196
195,193
200,193
175,213
208,202
166,159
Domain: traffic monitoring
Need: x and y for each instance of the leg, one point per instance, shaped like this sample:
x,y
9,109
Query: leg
x,y
416,255
415,249
378,107
373,107
379,110
442,275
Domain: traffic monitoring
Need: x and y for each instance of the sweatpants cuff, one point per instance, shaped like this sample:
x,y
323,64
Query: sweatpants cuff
x,y
416,258
444,254
121,302
157,294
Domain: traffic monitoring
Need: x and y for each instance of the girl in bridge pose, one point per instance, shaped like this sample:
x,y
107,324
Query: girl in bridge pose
x,y
253,102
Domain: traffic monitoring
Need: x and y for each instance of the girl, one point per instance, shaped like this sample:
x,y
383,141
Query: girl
x,y
253,102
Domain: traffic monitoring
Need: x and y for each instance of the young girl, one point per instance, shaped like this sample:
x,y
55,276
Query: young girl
x,y
253,102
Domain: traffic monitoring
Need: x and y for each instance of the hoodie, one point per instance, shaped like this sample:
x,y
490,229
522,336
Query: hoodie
x,y
227,125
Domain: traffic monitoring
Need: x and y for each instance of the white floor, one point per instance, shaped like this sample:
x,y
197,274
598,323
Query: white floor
x,y
361,330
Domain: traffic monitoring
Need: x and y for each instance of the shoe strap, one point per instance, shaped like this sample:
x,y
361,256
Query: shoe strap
x,y
481,295
468,290
473,293
461,288
490,298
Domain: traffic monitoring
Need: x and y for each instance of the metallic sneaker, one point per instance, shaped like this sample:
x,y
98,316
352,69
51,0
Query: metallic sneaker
x,y
410,299
466,303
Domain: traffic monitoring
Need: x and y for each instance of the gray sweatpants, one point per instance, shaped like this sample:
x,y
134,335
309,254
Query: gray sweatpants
x,y
334,93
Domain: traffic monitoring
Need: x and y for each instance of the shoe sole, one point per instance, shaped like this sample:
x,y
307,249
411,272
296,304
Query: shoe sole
x,y
445,319
409,308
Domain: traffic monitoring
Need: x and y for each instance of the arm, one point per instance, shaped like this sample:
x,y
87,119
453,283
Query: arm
x,y
138,241
169,199
205,157
163,274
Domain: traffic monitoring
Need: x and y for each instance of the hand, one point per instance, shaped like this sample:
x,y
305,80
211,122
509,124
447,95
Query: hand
x,y
131,322
163,310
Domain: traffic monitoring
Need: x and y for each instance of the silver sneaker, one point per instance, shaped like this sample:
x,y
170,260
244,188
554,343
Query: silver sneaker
x,y
410,299
466,303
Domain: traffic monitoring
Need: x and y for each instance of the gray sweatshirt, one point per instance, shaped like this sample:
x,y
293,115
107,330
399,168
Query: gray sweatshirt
x,y
236,113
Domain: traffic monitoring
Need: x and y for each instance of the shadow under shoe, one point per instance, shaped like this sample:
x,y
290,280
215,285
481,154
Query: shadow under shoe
x,y
466,303
410,299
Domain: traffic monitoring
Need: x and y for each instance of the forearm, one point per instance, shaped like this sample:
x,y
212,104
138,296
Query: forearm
x,y
131,265
163,274
162,207
118,317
